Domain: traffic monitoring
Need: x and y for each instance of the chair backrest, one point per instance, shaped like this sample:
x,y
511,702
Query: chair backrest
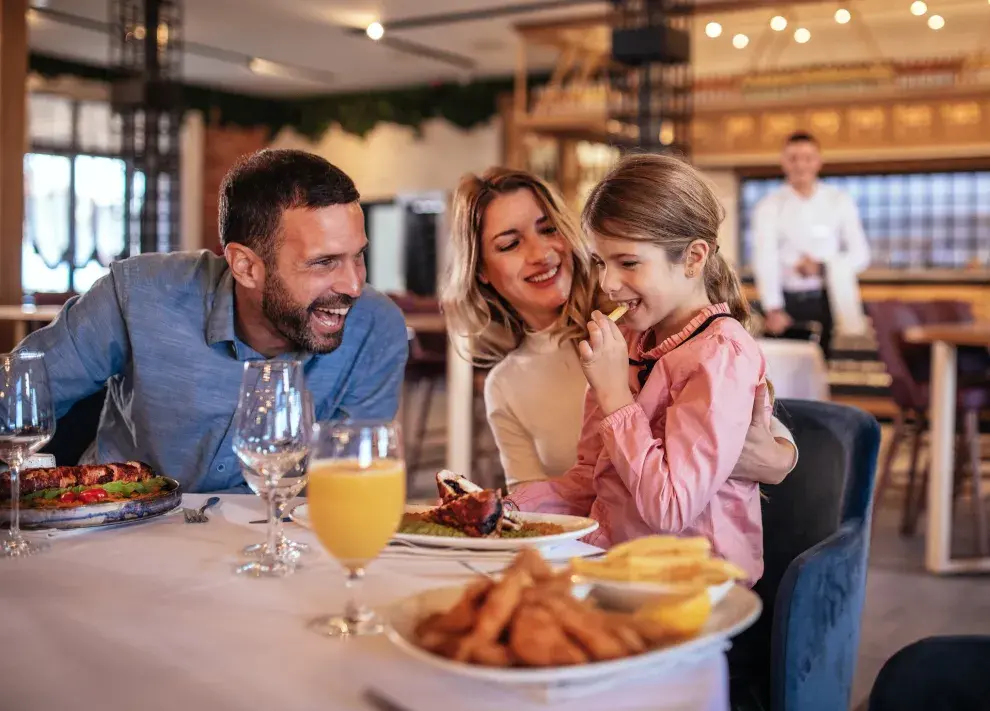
x,y
829,489
890,319
76,430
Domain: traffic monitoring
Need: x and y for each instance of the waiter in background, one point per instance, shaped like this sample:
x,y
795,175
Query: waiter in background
x,y
806,236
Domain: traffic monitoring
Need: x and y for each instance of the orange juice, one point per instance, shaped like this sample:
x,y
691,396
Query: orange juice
x,y
355,510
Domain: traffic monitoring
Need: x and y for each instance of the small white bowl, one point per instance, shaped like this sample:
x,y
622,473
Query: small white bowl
x,y
627,596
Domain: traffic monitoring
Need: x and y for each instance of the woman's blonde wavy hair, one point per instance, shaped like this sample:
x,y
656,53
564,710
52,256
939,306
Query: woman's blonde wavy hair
x,y
474,309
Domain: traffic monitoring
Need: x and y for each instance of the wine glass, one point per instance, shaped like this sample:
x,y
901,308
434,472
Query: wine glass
x,y
271,438
356,498
287,550
27,421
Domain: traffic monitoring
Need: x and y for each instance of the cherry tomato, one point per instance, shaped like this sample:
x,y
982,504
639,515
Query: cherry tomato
x,y
67,498
100,494
88,497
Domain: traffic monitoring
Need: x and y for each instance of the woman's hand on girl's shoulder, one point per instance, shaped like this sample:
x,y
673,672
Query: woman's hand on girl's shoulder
x,y
605,361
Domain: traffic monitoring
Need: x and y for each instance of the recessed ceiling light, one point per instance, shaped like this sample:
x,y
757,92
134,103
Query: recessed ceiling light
x,y
842,16
375,31
918,8
713,29
740,41
936,22
778,23
802,35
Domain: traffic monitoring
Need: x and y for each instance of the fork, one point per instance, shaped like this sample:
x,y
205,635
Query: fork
x,y
194,516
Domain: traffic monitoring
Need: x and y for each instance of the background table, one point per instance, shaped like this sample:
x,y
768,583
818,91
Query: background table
x,y
797,369
944,340
23,315
151,616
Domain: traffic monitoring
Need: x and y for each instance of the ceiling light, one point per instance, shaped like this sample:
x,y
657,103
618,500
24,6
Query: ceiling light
x,y
375,31
713,29
32,16
740,41
842,16
778,23
918,8
802,35
936,22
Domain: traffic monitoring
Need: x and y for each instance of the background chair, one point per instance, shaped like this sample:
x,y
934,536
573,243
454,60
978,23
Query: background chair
x,y
801,654
76,430
909,367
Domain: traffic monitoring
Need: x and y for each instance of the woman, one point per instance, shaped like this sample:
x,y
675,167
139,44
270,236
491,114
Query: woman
x,y
521,285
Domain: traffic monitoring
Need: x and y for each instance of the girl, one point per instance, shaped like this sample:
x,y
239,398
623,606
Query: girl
x,y
522,285
672,392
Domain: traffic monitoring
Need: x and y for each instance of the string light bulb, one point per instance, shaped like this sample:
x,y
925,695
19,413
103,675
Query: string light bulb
x,y
778,23
740,41
802,35
375,31
918,8
936,22
713,29
842,16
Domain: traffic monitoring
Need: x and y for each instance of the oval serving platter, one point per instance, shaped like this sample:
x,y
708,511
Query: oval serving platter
x,y
101,514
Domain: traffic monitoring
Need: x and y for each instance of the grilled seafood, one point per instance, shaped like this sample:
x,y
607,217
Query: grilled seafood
x,y
466,506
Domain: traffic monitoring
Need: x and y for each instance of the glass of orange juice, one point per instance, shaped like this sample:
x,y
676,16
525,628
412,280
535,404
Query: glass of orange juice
x,y
356,497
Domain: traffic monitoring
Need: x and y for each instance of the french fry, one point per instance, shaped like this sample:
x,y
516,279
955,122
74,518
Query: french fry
x,y
618,312
661,546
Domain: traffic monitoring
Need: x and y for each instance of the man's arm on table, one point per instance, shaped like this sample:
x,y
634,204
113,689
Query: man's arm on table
x,y
85,345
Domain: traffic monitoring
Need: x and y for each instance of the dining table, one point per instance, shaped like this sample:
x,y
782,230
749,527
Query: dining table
x,y
945,340
24,315
150,615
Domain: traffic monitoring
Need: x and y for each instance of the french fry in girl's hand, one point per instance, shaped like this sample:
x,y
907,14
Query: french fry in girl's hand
x,y
618,312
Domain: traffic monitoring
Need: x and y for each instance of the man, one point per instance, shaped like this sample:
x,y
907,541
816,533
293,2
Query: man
x,y
799,232
168,334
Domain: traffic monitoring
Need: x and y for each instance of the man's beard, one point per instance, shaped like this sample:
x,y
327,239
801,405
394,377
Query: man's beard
x,y
292,320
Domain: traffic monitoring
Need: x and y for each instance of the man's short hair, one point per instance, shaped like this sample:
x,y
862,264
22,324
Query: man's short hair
x,y
801,137
260,187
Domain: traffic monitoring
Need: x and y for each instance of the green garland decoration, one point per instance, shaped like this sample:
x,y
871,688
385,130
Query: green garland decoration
x,y
464,105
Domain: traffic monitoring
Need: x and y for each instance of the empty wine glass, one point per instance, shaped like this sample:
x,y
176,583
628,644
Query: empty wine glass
x,y
27,421
287,550
356,498
271,439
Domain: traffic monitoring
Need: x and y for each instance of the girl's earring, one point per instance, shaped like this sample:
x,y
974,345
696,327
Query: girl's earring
x,y
690,273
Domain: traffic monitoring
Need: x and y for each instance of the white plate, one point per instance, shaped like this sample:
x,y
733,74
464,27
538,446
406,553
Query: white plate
x,y
737,611
575,527
629,596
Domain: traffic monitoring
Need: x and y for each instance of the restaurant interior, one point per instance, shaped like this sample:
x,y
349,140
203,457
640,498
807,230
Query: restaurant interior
x,y
109,149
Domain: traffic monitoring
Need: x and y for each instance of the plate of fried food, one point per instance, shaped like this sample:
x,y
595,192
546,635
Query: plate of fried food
x,y
89,495
469,517
655,569
536,626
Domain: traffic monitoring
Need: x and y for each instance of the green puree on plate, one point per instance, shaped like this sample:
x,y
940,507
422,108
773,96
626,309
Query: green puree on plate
x,y
428,528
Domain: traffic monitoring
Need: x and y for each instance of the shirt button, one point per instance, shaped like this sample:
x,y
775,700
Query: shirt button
x,y
221,467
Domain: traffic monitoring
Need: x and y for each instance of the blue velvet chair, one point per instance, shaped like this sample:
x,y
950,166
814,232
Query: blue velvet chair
x,y
816,539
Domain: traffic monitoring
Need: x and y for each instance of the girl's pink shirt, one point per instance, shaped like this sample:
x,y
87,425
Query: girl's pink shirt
x,y
662,464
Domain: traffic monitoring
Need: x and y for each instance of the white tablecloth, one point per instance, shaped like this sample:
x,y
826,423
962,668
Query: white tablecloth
x,y
797,369
151,616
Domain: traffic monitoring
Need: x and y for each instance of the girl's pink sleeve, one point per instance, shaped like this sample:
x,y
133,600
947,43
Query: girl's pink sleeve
x,y
672,478
573,492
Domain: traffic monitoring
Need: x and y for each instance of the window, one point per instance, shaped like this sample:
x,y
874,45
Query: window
x,y
912,220
76,187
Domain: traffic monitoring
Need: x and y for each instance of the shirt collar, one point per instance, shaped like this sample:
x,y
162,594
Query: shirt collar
x,y
678,338
220,325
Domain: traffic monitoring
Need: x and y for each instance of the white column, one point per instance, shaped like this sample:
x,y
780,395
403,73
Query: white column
x,y
191,141
460,407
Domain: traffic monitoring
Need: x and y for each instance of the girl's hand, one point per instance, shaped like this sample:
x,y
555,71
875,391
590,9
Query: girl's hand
x,y
605,360
765,459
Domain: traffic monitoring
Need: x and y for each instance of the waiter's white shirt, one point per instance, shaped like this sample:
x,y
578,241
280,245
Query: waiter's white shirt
x,y
788,226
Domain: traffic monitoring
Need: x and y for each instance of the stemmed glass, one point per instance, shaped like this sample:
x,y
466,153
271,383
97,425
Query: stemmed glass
x,y
356,497
27,421
272,439
288,551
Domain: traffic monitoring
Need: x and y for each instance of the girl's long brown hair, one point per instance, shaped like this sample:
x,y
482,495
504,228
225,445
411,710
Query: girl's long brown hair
x,y
665,201
475,309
